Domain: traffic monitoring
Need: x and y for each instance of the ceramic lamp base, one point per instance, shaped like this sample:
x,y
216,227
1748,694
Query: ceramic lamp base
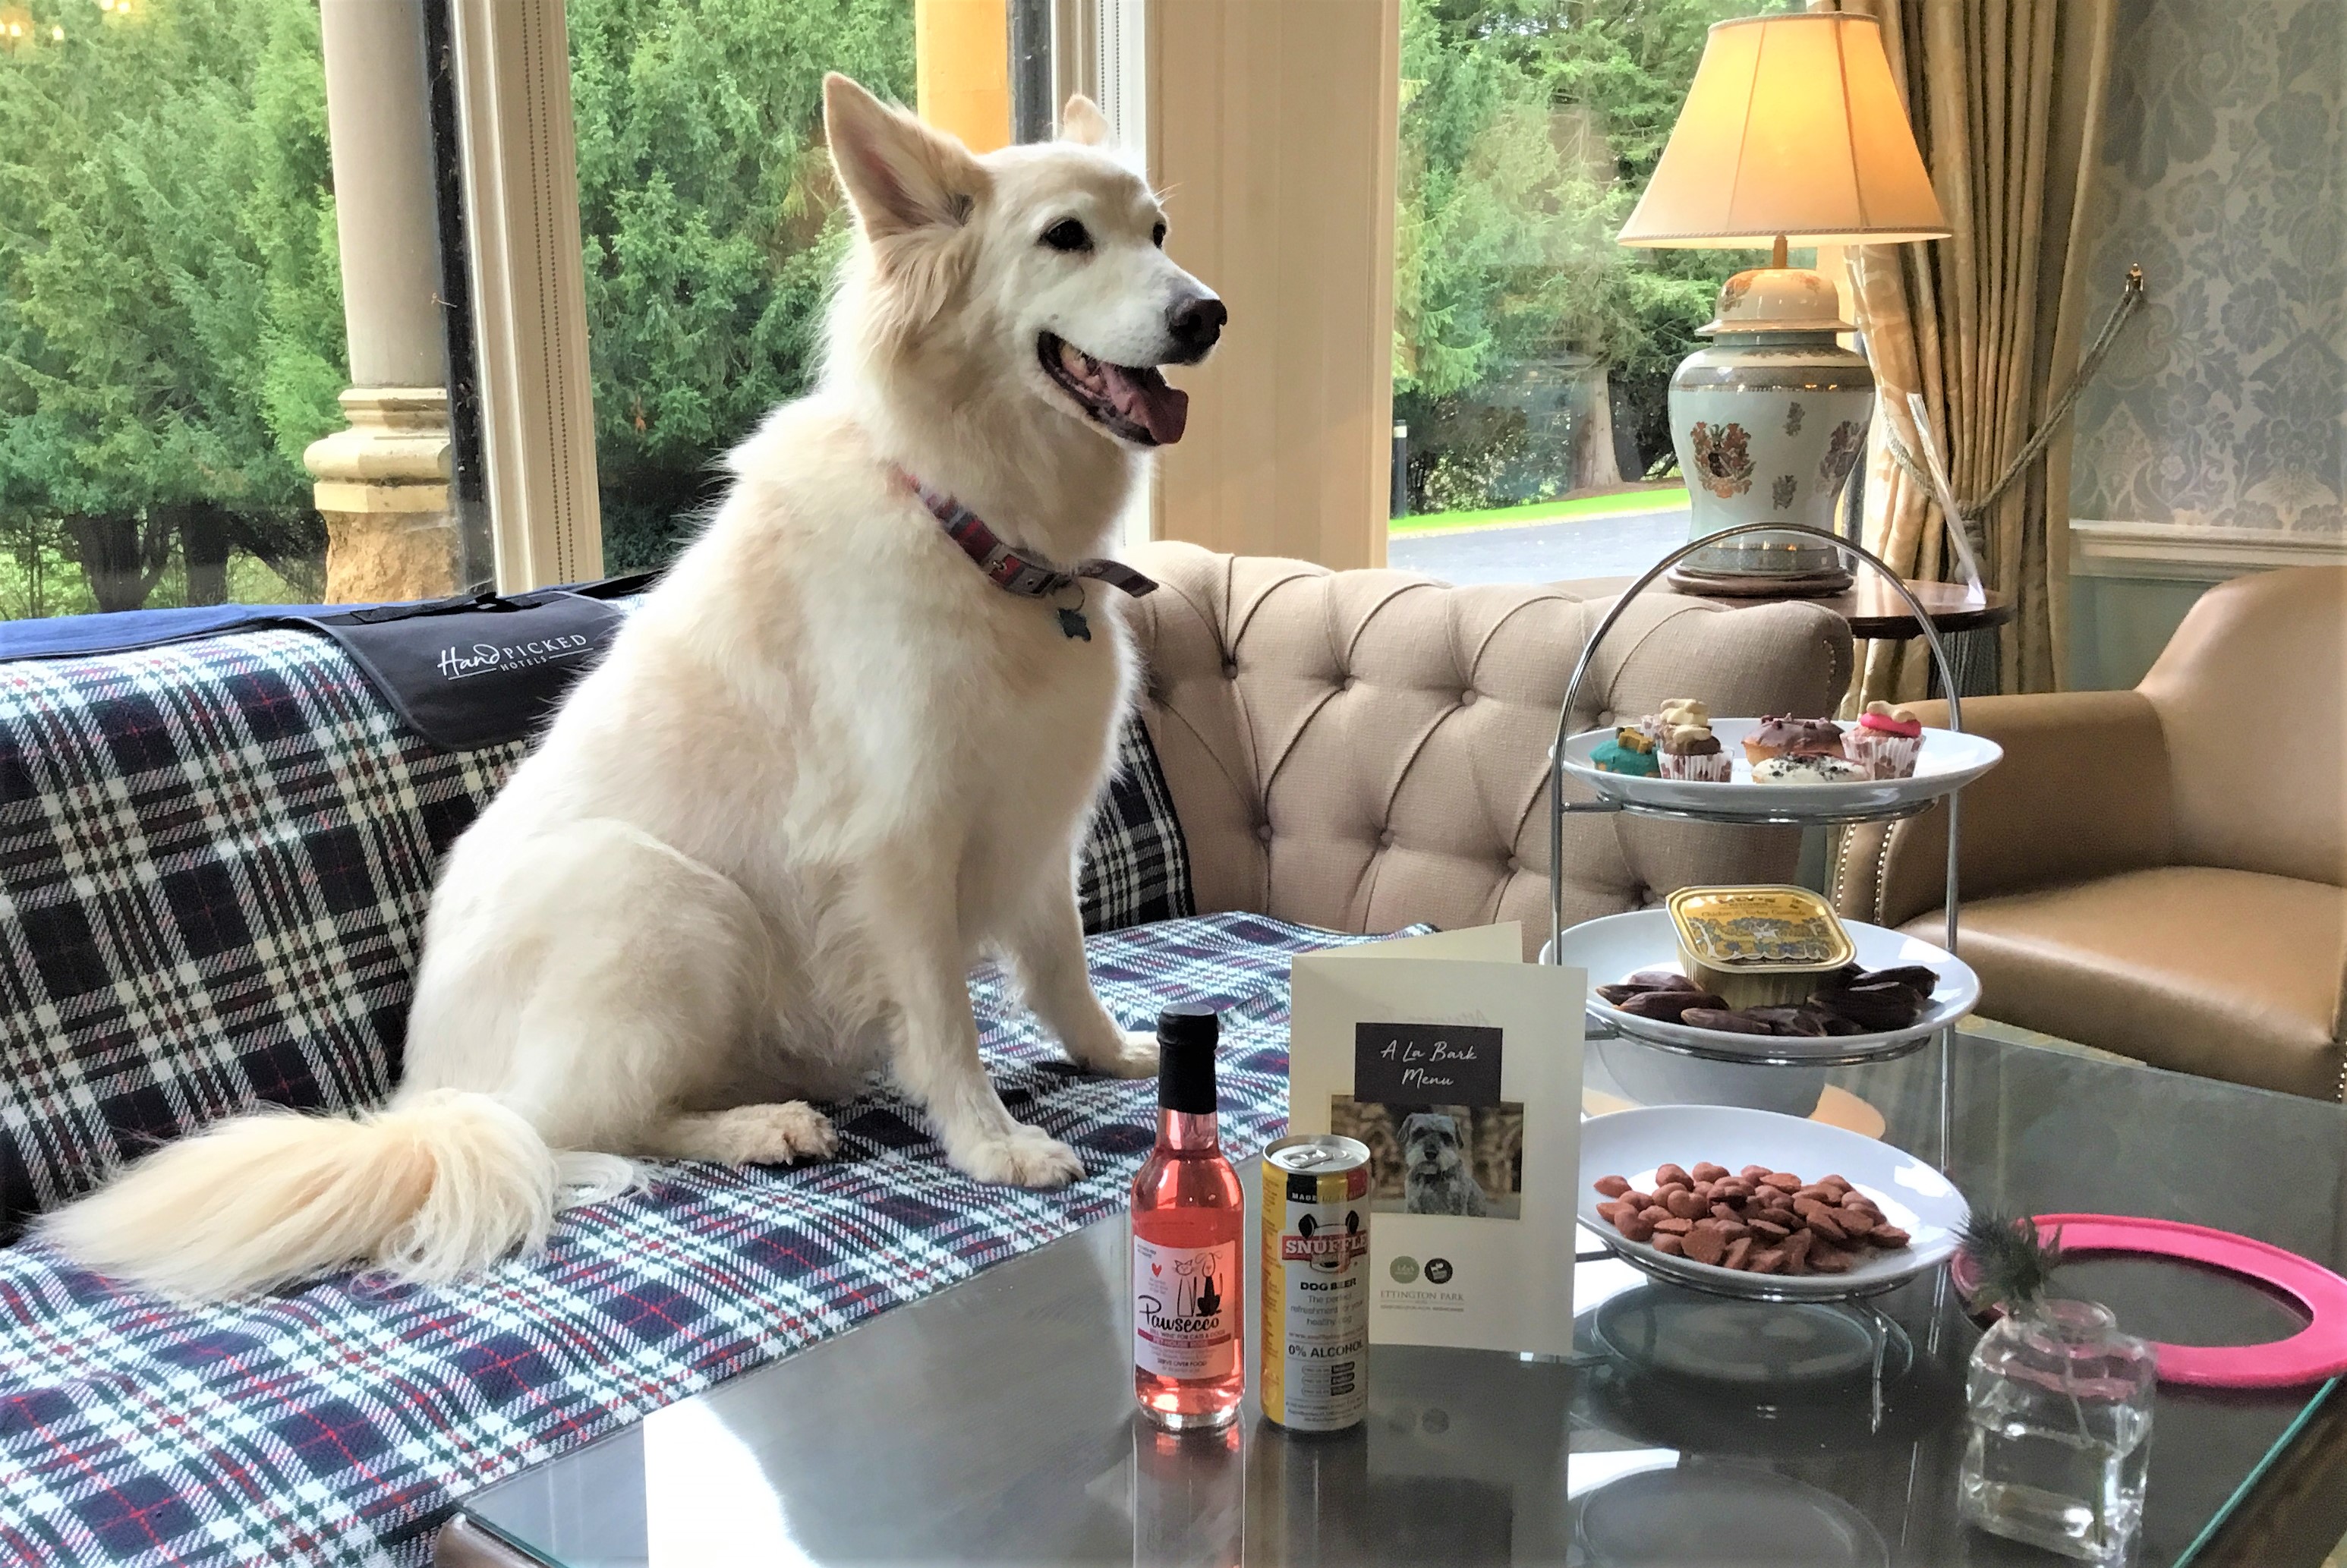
x,y
1768,422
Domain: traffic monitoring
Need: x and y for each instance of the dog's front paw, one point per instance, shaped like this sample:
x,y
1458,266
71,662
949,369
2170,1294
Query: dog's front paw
x,y
1024,1157
778,1134
1127,1053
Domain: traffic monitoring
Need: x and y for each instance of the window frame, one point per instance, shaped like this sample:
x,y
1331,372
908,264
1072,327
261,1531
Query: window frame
x,y
1314,486
530,292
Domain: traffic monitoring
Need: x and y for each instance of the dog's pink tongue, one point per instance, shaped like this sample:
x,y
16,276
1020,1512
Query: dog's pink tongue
x,y
1143,397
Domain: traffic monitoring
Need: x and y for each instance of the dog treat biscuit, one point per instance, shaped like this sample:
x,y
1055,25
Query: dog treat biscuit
x,y
1722,1021
1668,1006
1848,1000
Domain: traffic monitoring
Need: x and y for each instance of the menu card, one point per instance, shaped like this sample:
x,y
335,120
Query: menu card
x,y
1459,1064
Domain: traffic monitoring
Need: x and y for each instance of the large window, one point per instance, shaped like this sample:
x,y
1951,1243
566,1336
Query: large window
x,y
1532,353
711,227
170,317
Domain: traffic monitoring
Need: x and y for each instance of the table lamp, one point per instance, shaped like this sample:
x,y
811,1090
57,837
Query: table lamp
x,y
1792,134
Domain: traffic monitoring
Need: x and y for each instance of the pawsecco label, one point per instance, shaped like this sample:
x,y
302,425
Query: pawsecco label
x,y
1184,1325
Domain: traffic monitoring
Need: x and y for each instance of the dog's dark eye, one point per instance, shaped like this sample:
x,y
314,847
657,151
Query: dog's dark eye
x,y
1157,236
1068,234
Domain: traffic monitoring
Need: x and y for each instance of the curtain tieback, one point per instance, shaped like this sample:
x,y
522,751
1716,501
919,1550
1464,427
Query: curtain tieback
x,y
1962,515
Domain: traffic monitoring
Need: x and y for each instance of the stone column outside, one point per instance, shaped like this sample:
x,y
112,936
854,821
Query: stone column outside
x,y
383,484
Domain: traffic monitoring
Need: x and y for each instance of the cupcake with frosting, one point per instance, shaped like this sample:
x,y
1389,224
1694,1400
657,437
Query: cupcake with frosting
x,y
1630,752
1887,740
1676,712
1808,767
1783,736
1691,752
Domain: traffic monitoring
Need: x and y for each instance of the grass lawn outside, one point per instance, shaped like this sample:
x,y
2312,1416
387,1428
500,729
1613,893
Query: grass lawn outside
x,y
1615,504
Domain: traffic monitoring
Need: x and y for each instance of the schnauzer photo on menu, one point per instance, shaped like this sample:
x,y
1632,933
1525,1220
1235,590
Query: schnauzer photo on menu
x,y
1463,1160
1426,1100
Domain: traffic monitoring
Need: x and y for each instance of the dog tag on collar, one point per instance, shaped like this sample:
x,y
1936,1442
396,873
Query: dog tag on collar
x,y
1073,625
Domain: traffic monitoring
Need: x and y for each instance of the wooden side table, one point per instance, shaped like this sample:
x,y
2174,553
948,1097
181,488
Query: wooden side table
x,y
1876,614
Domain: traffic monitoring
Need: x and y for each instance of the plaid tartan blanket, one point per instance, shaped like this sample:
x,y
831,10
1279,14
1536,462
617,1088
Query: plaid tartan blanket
x,y
214,860
339,1423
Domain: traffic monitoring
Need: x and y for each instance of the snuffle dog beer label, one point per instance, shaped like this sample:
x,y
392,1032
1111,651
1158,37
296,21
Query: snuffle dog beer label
x,y
1182,1324
1315,1289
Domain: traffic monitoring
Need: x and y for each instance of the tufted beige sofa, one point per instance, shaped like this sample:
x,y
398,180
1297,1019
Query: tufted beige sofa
x,y
1365,749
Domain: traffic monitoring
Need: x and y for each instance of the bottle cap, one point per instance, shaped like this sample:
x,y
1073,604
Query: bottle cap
x,y
1186,1058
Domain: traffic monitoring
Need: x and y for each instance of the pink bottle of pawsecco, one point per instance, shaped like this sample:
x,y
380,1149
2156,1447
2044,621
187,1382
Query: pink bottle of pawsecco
x,y
1188,1221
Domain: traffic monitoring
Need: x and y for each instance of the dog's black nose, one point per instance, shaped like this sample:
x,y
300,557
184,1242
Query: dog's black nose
x,y
1195,324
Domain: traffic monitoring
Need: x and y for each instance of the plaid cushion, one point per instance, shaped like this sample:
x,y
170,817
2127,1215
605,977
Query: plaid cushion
x,y
338,1424
1136,868
214,860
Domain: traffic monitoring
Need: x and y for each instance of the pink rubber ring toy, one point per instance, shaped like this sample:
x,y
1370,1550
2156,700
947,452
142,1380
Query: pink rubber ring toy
x,y
2315,1352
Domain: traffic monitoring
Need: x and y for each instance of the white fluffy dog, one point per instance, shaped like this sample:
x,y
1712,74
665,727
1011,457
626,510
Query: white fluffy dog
x,y
826,763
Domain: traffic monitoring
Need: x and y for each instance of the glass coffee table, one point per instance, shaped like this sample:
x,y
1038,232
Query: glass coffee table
x,y
993,1422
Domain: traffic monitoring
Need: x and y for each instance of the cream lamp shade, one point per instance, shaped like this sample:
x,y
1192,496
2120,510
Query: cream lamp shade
x,y
1793,128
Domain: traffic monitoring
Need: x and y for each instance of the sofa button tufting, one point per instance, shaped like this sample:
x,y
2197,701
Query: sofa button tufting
x,y
1385,839
1467,698
1230,668
1263,832
1346,684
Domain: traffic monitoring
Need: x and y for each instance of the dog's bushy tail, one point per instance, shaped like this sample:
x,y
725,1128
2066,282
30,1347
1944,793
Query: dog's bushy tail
x,y
426,1189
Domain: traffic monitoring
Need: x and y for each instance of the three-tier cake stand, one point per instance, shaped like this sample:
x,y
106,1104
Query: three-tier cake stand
x,y
1767,807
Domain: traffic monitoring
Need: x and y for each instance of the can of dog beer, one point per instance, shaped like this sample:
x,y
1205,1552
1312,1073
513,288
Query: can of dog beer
x,y
1315,1283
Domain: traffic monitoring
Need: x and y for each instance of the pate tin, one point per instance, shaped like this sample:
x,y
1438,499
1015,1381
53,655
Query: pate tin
x,y
1316,1282
1758,945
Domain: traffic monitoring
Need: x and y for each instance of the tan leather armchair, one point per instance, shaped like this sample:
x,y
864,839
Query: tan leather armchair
x,y
2162,872
1361,750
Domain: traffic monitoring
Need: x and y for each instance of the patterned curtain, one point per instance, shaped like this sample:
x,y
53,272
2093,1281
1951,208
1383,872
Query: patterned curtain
x,y
2007,98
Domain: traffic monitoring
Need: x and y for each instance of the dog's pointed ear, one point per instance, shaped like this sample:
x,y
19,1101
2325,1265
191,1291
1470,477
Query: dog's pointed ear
x,y
1083,123
899,175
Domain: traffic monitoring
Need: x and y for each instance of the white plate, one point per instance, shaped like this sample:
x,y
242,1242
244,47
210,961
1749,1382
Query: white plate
x,y
1947,762
1613,948
1914,1196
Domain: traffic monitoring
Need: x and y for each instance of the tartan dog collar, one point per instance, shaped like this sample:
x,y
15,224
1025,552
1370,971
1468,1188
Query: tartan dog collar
x,y
1028,576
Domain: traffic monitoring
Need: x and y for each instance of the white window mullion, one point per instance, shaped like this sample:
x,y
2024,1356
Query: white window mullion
x,y
530,292
1121,68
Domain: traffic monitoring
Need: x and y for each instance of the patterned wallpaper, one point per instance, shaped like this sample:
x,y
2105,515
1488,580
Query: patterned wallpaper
x,y
2226,403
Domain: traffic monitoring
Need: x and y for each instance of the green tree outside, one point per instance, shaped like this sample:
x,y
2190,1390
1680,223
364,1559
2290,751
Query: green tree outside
x,y
1529,128
170,320
711,227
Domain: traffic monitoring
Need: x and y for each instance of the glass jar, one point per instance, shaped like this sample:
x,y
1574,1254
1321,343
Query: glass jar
x,y
2060,1431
